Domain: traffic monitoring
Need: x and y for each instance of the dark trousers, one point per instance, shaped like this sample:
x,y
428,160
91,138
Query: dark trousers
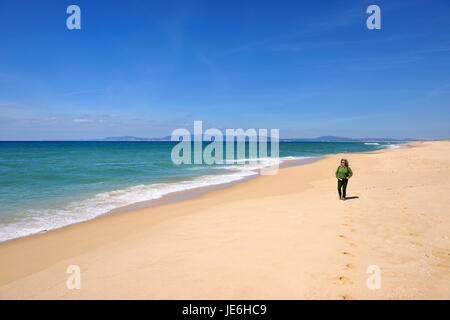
x,y
342,184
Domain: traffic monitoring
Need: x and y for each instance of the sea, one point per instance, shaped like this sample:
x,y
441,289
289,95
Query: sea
x,y
49,185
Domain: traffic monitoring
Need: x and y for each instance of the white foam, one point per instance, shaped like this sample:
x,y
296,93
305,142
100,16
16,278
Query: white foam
x,y
45,220
392,146
372,143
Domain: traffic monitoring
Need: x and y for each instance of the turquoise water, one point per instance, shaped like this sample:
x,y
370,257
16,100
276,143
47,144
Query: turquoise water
x,y
46,185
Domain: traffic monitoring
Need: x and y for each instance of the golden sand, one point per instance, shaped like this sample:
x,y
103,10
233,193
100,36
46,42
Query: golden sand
x,y
285,236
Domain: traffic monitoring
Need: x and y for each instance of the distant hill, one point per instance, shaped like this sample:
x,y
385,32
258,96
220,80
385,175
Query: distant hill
x,y
318,139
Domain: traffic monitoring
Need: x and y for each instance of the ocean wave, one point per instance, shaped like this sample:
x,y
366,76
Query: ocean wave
x,y
392,146
38,221
371,143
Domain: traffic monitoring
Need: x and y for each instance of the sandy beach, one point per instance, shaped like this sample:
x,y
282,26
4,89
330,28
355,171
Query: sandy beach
x,y
285,236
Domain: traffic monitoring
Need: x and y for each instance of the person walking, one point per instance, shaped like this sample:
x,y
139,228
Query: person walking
x,y
343,173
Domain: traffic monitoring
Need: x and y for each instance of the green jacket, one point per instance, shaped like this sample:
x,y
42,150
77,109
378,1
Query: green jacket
x,y
343,173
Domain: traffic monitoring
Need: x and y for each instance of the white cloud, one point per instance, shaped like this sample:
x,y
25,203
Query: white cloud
x,y
83,121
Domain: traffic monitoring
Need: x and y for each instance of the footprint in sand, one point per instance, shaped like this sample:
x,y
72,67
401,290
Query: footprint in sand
x,y
345,253
342,236
352,230
351,244
415,243
345,280
413,234
347,297
441,254
350,266
341,280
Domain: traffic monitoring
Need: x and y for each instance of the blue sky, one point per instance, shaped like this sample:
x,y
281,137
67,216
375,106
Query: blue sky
x,y
144,68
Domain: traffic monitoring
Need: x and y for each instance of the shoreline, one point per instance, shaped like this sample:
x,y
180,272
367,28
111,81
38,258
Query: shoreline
x,y
218,227
181,195
197,191
190,193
